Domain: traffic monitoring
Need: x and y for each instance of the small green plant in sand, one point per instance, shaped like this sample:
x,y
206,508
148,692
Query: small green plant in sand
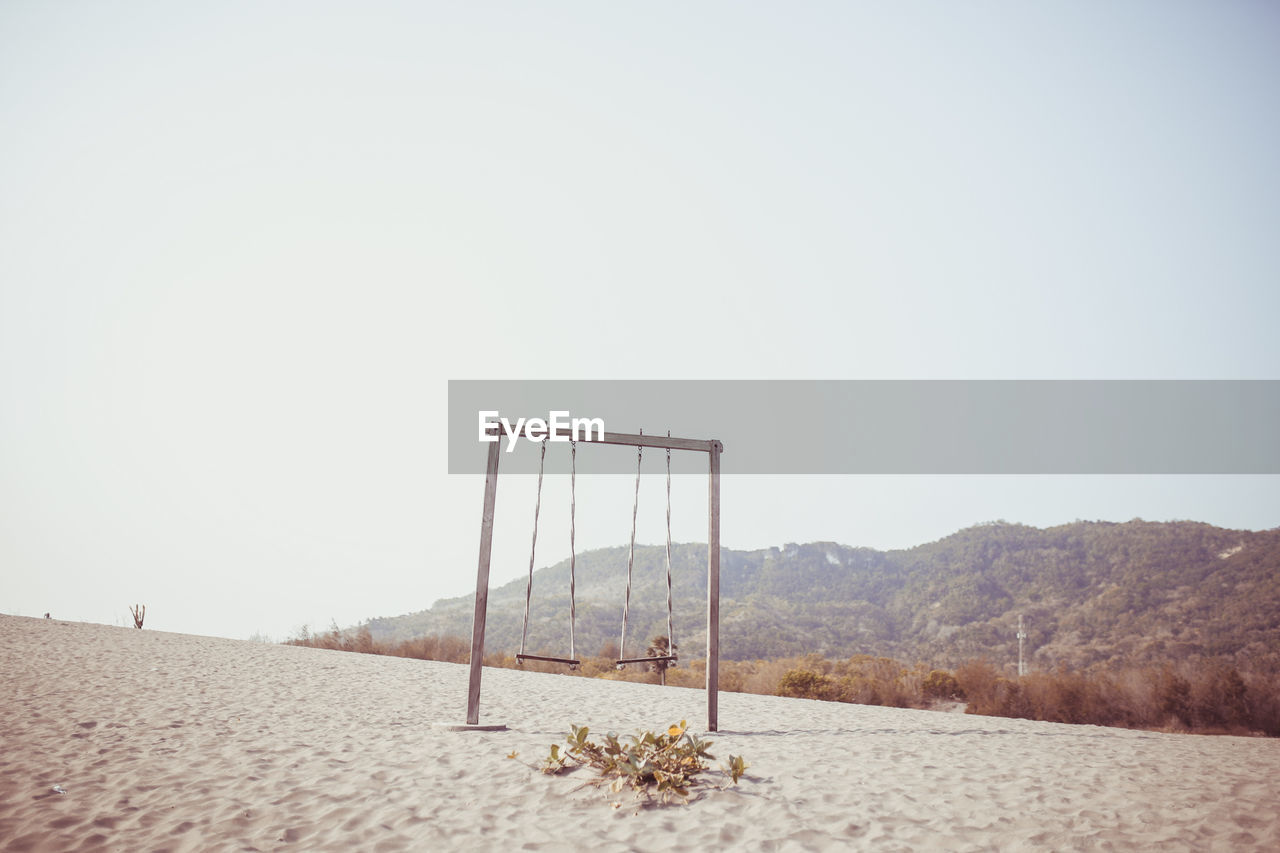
x,y
665,763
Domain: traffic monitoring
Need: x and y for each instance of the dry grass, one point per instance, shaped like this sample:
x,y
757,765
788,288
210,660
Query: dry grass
x,y
1207,695
444,648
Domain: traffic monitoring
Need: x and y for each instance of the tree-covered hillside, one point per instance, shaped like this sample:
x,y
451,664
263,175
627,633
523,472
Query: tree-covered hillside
x,y
1089,592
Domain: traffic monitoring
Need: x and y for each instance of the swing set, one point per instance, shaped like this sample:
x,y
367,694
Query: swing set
x,y
640,441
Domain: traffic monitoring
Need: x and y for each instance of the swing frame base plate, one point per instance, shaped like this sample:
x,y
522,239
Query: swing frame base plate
x,y
464,727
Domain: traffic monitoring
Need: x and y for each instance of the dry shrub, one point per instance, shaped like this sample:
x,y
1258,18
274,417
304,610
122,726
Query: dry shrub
x,y
940,685
595,667
1263,691
764,677
1219,698
977,680
733,675
912,681
1064,696
688,676
807,684
868,680
863,680
442,648
335,638
1173,698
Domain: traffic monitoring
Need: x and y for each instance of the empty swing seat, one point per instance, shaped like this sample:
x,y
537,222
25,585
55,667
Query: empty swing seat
x,y
671,658
620,663
521,658
571,662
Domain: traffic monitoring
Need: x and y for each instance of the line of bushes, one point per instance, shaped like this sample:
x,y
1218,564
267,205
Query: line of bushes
x,y
1202,696
443,648
1205,695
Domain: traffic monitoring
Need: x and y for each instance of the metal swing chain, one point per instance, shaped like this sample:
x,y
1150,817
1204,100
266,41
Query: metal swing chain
x,y
533,549
671,639
573,554
631,556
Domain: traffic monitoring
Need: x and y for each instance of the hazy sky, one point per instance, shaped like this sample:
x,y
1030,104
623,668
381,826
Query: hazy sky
x,y
243,247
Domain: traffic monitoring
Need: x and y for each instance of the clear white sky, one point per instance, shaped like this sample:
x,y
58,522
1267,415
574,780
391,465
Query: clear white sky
x,y
243,247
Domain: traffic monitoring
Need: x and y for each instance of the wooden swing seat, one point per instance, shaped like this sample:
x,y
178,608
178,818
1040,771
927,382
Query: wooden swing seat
x,y
570,661
657,659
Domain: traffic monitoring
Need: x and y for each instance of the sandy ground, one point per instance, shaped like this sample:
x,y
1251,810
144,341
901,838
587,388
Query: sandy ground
x,y
170,741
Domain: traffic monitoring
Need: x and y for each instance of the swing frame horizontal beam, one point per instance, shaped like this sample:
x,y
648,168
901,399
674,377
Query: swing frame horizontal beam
x,y
702,445
713,448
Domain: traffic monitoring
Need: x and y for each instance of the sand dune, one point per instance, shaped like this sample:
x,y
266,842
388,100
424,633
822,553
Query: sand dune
x,y
170,741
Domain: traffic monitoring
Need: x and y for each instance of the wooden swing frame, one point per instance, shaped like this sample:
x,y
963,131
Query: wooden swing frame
x,y
713,449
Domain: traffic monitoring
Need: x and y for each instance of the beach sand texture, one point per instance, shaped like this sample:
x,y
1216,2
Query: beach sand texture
x,y
178,742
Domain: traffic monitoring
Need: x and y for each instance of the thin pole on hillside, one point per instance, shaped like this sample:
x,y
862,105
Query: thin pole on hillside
x,y
1022,635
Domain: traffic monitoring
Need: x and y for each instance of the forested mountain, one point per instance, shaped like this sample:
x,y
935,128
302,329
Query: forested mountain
x,y
1089,592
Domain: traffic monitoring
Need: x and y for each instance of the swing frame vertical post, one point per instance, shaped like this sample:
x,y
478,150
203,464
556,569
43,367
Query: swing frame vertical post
x,y
713,587
482,586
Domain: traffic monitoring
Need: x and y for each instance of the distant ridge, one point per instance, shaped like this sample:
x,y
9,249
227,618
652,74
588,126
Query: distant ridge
x,y
1090,592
